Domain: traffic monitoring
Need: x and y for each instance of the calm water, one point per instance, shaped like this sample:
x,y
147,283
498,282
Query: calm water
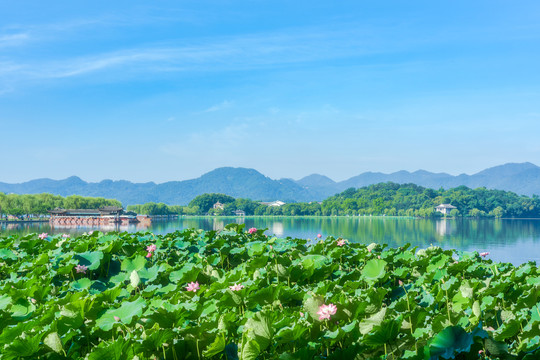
x,y
510,240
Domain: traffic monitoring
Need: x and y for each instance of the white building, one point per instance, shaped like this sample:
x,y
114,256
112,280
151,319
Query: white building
x,y
273,203
445,208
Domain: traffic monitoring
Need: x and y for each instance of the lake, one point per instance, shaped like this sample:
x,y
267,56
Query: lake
x,y
510,240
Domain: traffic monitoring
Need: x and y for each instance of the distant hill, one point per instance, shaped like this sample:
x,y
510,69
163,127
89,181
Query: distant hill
x,y
523,179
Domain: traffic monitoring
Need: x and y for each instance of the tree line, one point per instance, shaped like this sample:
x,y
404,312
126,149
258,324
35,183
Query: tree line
x,y
40,204
388,199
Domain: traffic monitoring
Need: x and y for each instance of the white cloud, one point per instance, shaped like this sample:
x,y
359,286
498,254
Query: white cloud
x,y
223,105
230,53
13,39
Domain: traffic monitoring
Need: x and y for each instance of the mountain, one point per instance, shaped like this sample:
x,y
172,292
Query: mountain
x,y
522,178
237,182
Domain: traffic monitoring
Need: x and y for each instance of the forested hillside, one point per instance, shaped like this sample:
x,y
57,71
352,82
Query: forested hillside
x,y
413,200
381,199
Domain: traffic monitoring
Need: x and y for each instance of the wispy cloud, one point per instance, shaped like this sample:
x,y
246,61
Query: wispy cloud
x,y
13,39
223,105
232,53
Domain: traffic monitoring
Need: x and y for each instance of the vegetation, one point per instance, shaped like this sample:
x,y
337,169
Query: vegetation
x,y
413,200
40,204
240,295
382,199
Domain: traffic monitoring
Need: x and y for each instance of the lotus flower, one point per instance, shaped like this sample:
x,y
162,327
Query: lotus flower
x,y
326,310
193,286
252,230
341,242
43,236
116,318
319,236
151,248
149,255
484,254
81,269
400,283
65,236
236,287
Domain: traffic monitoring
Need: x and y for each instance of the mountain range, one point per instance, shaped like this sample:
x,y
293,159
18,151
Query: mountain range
x,y
521,178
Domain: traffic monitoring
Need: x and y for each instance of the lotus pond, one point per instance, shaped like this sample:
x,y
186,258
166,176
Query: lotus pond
x,y
237,294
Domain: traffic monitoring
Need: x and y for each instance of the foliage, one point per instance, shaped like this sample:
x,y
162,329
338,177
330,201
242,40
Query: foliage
x,y
414,200
40,204
131,300
382,199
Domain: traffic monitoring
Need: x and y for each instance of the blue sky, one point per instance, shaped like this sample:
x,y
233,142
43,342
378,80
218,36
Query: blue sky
x,y
168,90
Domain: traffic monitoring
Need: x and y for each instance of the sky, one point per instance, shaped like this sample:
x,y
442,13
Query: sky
x,y
169,90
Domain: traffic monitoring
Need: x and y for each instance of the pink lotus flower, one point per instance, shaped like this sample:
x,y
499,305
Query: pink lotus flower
x,y
33,300
193,286
43,236
81,269
341,242
400,283
65,236
484,254
236,287
326,310
149,255
252,230
319,236
301,314
116,318
151,248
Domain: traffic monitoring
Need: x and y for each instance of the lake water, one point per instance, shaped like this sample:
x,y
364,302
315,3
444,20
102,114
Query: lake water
x,y
509,240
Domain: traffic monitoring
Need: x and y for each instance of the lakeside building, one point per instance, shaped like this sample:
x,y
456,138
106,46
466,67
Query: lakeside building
x,y
239,213
106,215
445,208
273,203
219,206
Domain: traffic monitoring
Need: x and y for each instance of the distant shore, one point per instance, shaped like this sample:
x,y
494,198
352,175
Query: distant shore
x,y
22,221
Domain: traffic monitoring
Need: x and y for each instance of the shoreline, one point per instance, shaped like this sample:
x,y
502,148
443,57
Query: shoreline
x,y
22,221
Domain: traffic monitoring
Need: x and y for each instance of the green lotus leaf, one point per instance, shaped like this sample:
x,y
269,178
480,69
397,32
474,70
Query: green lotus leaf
x,y
260,328
216,347
249,349
450,341
81,284
90,259
496,348
22,309
312,304
385,333
137,263
5,300
507,330
188,273
7,254
368,324
53,341
290,333
374,270
22,347
255,248
125,312
310,262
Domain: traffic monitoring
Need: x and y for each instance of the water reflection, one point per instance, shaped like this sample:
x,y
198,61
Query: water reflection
x,y
516,241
